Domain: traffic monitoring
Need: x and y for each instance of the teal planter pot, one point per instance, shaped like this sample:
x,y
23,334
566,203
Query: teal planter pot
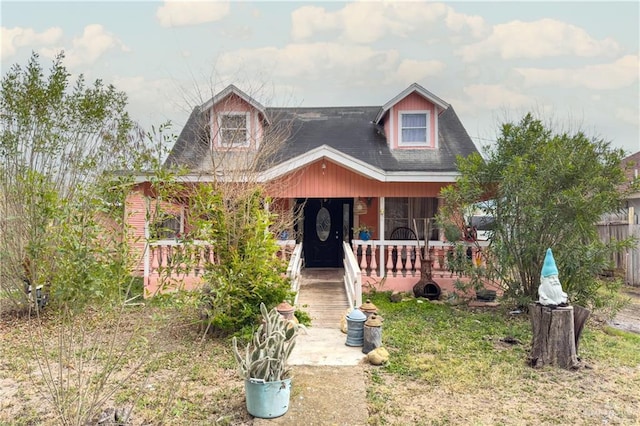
x,y
267,399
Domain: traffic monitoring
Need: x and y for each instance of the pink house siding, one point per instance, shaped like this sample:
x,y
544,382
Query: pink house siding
x,y
137,208
135,214
413,102
335,181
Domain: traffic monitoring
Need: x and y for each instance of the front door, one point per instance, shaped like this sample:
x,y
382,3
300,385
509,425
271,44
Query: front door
x,y
327,223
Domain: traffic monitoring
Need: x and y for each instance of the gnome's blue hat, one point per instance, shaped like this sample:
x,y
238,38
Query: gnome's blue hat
x,y
549,267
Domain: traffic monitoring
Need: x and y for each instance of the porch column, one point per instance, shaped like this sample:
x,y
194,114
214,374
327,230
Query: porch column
x,y
440,229
382,255
630,273
147,234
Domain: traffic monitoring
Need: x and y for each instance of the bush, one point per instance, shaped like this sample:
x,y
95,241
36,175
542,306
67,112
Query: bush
x,y
248,272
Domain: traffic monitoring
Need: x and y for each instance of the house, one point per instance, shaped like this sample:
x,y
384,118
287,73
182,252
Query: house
x,y
340,167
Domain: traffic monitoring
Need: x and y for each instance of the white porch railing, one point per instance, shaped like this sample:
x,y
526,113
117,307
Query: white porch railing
x,y
352,277
294,270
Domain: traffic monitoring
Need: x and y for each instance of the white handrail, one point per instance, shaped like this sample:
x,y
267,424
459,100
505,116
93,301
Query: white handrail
x,y
352,277
293,270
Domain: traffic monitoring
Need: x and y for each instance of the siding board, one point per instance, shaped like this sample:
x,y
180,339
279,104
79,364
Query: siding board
x,y
338,182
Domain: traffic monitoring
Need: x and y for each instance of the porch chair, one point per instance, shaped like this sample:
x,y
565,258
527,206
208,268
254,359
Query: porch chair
x,y
403,233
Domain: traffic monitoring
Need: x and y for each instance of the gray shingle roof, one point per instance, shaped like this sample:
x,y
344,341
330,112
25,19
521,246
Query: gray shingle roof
x,y
350,130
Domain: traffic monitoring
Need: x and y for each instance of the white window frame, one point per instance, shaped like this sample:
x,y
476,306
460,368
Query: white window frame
x,y
427,141
235,143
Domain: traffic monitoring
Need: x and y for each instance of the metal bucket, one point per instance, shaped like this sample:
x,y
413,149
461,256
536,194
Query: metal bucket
x,y
355,328
267,399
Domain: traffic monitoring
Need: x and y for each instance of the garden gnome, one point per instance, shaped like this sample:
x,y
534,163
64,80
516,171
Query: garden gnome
x,y
550,291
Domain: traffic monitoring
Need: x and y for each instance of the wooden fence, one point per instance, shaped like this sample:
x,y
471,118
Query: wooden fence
x,y
629,260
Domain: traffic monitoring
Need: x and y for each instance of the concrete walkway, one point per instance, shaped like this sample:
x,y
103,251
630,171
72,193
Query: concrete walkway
x,y
328,386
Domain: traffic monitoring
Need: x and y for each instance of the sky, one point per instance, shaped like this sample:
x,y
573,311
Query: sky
x,y
574,64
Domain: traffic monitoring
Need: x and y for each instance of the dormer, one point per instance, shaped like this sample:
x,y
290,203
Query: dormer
x,y
410,120
236,120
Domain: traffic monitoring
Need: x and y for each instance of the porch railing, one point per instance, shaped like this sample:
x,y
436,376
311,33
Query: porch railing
x,y
174,258
352,277
295,265
382,258
171,260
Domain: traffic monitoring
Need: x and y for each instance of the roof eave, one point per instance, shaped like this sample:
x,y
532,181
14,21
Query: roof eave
x,y
242,95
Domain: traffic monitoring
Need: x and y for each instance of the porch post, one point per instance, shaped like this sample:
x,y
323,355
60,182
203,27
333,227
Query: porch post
x,y
145,256
630,267
382,255
441,229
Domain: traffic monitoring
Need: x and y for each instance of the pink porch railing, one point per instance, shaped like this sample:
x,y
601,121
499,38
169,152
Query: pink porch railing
x,y
395,265
401,258
170,265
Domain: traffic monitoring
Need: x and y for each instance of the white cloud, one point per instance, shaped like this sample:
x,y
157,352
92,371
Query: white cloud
x,y
308,20
14,38
356,65
411,70
153,101
312,60
493,96
618,74
178,13
628,115
459,22
538,39
366,22
87,48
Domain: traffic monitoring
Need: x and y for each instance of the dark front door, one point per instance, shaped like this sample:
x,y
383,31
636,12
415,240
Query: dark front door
x,y
327,223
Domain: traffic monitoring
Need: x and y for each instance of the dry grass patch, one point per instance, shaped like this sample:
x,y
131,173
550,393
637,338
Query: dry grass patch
x,y
453,367
162,369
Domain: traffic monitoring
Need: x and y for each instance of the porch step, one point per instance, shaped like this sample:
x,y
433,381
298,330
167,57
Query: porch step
x,y
323,297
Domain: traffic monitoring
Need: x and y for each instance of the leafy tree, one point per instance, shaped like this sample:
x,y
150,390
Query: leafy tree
x,y
544,189
58,140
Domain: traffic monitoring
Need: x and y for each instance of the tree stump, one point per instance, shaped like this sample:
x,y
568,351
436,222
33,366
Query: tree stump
x,y
554,335
580,316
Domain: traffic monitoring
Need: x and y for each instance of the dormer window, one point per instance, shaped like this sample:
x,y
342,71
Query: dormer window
x,y
233,129
414,128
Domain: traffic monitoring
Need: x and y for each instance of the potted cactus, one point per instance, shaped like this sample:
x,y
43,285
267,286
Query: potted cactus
x,y
263,365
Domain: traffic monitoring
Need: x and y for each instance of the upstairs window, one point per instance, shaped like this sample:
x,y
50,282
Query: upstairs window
x,y
233,129
414,128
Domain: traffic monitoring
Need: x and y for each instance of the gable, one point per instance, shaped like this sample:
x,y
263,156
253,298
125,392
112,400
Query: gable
x,y
413,106
410,119
235,124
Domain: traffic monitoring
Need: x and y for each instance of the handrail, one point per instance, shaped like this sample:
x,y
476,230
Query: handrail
x,y
174,242
414,243
294,269
352,277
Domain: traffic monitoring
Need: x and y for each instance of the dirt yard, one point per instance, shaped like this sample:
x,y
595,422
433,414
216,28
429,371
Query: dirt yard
x,y
629,318
189,381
